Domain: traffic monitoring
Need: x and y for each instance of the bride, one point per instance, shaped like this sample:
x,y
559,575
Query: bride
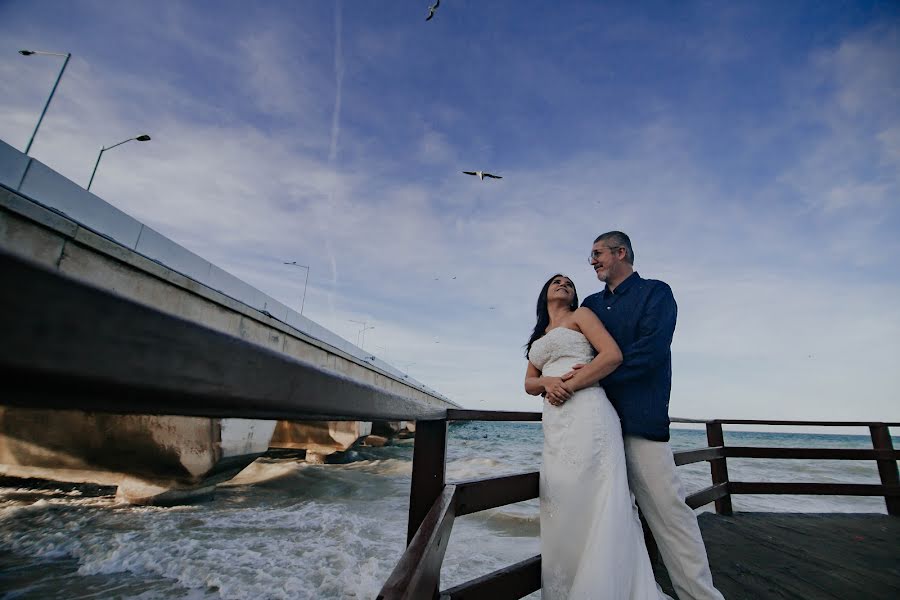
x,y
592,545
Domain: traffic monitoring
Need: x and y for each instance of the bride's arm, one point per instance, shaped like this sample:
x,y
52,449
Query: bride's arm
x,y
608,354
536,384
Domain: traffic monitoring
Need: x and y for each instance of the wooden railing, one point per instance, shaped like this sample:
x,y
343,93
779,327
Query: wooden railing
x,y
433,506
435,503
723,488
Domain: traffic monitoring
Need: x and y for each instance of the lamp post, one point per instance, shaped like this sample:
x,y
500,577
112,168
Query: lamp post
x,y
294,263
68,55
140,138
362,332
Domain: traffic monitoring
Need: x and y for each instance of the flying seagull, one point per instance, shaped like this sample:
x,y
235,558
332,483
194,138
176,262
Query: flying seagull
x,y
432,10
481,175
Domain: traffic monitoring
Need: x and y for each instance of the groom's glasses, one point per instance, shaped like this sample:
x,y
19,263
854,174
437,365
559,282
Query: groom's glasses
x,y
596,254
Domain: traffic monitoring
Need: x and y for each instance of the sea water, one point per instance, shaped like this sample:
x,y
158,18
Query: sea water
x,y
286,529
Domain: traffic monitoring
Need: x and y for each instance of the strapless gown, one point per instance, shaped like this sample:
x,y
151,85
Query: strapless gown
x,y
592,545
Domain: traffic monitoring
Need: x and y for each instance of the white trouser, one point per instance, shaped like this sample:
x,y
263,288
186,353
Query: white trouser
x,y
660,496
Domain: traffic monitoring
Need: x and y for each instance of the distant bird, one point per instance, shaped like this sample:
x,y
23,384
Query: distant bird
x,y
481,175
432,10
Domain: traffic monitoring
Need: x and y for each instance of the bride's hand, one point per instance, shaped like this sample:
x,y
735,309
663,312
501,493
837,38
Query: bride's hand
x,y
556,391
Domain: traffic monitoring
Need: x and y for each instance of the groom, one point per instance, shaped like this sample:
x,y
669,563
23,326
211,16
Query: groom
x,y
640,316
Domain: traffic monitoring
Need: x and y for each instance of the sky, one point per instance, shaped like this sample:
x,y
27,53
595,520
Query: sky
x,y
750,149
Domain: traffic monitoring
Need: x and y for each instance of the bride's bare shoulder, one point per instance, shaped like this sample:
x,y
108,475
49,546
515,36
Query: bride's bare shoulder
x,y
585,317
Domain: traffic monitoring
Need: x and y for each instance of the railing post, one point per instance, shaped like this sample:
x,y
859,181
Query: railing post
x,y
717,467
887,468
429,465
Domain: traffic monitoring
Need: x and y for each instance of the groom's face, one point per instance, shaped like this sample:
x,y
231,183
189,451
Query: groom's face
x,y
606,261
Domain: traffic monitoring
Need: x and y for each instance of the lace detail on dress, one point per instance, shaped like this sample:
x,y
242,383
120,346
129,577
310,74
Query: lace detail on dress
x,y
560,347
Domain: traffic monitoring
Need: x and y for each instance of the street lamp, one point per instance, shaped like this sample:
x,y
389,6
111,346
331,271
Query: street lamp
x,y
140,138
68,55
295,264
362,332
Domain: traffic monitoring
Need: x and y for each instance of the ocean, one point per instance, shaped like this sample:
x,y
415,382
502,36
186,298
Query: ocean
x,y
285,529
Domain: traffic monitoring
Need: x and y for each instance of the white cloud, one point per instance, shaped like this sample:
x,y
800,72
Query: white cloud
x,y
851,94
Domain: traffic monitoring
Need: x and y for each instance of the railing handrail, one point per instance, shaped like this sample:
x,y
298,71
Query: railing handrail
x,y
457,414
808,423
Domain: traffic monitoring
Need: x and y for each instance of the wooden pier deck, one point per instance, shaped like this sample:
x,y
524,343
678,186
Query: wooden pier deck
x,y
801,556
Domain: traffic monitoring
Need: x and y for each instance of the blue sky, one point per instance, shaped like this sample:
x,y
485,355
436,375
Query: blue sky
x,y
751,150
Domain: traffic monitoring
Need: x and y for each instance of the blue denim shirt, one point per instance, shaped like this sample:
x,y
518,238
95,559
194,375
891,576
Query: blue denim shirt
x,y
640,315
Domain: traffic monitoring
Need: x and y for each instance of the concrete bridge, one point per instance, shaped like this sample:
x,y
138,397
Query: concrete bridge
x,y
50,220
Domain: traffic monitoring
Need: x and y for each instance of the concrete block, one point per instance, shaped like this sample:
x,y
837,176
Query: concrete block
x,y
108,273
307,352
25,238
105,246
158,247
52,189
319,437
206,312
12,165
360,373
41,215
153,459
257,333
239,437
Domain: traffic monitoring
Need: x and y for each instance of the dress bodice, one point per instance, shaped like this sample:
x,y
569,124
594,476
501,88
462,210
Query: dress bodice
x,y
559,349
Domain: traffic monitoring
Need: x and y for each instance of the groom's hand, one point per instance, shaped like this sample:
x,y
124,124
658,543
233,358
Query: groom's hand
x,y
571,373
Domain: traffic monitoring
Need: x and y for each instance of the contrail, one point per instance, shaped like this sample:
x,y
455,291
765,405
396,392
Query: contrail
x,y
335,136
339,80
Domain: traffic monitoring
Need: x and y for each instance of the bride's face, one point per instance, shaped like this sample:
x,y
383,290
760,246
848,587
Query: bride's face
x,y
561,288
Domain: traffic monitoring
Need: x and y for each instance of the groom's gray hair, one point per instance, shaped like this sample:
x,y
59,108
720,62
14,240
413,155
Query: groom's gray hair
x,y
617,239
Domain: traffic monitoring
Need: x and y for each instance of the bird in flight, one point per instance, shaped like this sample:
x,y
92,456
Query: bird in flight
x,y
481,175
432,10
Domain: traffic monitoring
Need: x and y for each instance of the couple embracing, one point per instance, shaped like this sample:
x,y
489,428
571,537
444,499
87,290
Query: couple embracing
x,y
604,442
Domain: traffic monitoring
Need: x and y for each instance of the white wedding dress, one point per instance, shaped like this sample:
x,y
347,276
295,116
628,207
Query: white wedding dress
x,y
592,545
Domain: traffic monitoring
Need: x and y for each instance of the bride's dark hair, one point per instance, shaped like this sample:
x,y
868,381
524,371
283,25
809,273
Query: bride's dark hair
x,y
543,315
